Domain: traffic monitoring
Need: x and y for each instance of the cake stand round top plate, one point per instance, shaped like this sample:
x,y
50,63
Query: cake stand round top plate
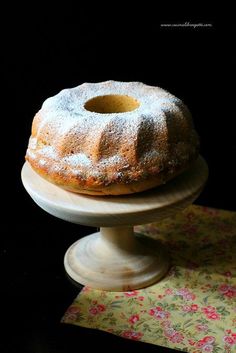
x,y
110,211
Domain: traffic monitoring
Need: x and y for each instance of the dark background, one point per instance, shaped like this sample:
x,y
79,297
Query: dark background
x,y
47,53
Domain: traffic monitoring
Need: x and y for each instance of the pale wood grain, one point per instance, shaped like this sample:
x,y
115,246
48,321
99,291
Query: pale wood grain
x,y
114,258
108,211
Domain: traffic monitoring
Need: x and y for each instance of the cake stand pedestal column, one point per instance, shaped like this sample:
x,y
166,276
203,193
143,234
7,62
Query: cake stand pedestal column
x,y
115,258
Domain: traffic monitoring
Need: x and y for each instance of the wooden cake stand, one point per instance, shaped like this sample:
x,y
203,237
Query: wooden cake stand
x,y
115,258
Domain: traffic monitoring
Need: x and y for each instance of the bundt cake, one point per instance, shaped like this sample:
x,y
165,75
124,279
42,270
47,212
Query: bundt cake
x,y
112,138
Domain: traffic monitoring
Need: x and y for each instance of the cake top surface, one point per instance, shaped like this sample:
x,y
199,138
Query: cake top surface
x,y
71,102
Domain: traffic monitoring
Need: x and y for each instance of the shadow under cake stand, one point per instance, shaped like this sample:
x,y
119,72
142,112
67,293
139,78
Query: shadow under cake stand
x,y
115,258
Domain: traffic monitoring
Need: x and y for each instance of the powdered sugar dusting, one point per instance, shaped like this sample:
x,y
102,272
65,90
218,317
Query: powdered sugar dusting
x,y
71,101
49,151
113,160
42,161
32,143
76,160
71,139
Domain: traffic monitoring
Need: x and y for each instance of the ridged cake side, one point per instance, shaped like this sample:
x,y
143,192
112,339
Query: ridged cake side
x,y
83,150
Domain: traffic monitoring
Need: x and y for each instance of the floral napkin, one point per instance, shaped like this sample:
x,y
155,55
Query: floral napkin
x,y
193,308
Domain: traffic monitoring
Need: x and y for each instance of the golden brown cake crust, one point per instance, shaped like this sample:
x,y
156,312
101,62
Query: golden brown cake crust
x,y
112,152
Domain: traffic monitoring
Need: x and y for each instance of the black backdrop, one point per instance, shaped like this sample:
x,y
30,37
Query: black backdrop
x,y
48,53
195,64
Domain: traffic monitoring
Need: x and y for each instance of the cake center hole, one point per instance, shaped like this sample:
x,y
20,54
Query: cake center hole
x,y
112,103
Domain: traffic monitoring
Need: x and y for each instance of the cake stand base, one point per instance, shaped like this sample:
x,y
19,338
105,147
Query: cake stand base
x,y
116,259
